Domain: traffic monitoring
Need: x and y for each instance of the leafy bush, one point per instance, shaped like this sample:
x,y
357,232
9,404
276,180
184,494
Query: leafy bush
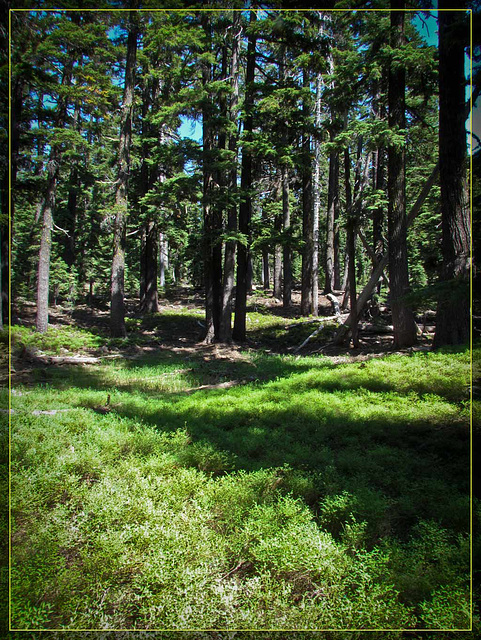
x,y
449,608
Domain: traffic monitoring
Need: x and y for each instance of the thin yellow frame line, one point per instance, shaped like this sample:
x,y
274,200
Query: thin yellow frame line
x,y
10,312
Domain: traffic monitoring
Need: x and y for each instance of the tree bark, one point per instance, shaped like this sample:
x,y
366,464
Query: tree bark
x,y
402,315
266,276
453,313
316,200
245,209
164,258
143,240
117,288
286,212
225,333
378,214
286,250
307,231
151,296
378,177
46,244
277,292
333,195
211,251
47,210
351,247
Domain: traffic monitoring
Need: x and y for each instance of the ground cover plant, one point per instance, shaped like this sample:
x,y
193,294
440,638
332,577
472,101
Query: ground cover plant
x,y
177,487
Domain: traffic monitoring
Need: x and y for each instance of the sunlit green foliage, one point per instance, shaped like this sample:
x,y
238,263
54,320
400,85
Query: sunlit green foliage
x,y
311,495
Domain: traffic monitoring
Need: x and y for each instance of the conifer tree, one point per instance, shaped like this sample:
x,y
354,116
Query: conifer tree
x,y
49,201
225,333
117,307
452,319
245,208
402,316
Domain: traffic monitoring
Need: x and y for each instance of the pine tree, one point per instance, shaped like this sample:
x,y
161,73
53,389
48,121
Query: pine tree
x,y
402,316
245,208
452,319
117,307
49,202
225,332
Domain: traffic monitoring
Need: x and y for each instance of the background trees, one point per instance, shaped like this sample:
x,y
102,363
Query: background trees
x,y
319,132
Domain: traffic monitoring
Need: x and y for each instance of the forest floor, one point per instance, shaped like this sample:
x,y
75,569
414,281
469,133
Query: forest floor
x,y
160,483
179,327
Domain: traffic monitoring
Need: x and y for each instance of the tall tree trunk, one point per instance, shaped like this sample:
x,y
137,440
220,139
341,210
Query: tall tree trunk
x,y
151,297
278,264
211,252
402,317
316,200
286,250
72,209
378,213
225,332
378,175
453,314
286,212
332,198
47,210
164,258
379,183
307,233
245,209
250,274
143,240
43,273
117,289
337,247
72,200
345,280
266,276
351,247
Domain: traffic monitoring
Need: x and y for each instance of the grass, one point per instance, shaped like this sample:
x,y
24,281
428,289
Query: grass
x,y
312,495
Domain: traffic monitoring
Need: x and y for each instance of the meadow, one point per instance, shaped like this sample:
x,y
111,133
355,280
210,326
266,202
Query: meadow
x,y
182,486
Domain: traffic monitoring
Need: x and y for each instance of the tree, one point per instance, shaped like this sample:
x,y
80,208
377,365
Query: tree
x,y
225,333
245,208
49,201
452,319
402,316
117,291
307,211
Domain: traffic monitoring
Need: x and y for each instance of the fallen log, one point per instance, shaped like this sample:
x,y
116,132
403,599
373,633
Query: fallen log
x,y
317,331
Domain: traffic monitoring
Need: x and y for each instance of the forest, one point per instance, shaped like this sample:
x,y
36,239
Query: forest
x,y
237,320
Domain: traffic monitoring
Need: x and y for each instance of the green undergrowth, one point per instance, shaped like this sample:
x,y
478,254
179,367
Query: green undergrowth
x,y
56,340
309,495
